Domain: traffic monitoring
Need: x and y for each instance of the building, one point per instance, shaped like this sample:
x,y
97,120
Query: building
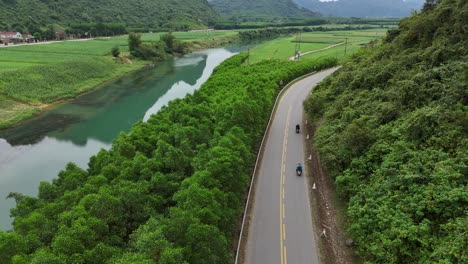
x,y
10,37
28,38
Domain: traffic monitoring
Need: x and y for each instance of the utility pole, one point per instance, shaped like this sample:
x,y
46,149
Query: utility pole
x,y
298,46
346,46
248,56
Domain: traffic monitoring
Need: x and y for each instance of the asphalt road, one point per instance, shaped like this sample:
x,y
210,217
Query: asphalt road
x,y
281,229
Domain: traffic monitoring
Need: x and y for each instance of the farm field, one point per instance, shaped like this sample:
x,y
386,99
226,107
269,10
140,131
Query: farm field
x,y
32,76
284,48
15,58
12,111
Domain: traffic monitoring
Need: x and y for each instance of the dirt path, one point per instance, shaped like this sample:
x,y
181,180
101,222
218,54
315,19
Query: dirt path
x,y
328,213
43,43
315,51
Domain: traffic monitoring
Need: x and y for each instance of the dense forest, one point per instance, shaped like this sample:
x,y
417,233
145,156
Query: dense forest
x,y
29,15
170,191
392,132
260,10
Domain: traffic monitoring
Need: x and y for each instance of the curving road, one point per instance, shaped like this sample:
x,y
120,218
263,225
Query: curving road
x,y
281,229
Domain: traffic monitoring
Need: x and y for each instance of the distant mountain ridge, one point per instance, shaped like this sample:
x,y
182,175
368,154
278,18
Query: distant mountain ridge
x,y
258,9
15,14
362,8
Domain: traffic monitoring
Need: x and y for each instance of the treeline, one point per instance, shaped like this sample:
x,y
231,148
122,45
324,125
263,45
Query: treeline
x,y
306,22
156,50
346,28
392,131
99,29
170,191
237,25
268,33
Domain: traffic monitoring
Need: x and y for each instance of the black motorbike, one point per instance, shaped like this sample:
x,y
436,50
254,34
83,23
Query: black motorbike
x,y
298,128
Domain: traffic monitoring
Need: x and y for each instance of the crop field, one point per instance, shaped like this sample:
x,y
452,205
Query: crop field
x,y
20,57
284,48
32,76
12,111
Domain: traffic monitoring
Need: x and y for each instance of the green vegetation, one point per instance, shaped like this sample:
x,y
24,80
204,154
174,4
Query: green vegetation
x,y
392,126
170,191
284,48
49,83
162,15
156,50
35,75
259,10
295,22
12,111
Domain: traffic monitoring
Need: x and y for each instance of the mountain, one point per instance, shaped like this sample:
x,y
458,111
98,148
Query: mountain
x,y
259,9
362,8
393,135
17,14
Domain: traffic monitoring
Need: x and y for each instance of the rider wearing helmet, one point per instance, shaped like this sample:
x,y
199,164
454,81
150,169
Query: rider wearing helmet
x,y
299,167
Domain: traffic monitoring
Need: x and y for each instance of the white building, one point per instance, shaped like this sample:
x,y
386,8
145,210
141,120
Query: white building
x,y
7,37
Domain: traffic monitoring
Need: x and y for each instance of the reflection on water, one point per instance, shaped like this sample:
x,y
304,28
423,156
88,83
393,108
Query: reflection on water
x,y
37,150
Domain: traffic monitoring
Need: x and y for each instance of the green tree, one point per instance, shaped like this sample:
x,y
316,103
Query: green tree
x,y
134,43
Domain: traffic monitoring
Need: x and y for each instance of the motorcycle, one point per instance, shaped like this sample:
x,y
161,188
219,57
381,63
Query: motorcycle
x,y
299,170
298,129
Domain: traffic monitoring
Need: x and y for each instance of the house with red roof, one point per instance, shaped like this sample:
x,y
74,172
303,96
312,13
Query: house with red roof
x,y
10,37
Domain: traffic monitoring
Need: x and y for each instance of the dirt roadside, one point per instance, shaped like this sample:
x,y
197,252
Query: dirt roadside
x,y
327,211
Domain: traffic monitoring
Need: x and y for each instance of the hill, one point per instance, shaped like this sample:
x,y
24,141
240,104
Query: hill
x,y
259,9
27,14
392,133
362,8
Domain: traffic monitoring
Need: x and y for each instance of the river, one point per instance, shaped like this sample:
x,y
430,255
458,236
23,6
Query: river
x,y
36,150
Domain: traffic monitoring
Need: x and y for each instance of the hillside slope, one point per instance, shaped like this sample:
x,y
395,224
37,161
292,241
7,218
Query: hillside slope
x,y
15,14
393,135
259,9
362,8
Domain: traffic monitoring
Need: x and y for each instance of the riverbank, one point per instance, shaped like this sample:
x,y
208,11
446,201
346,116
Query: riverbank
x,y
35,78
17,105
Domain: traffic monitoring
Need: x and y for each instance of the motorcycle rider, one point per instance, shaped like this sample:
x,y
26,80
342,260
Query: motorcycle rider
x,y
299,167
298,127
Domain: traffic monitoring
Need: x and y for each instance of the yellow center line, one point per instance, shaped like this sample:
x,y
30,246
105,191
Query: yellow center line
x,y
285,256
282,209
284,214
284,232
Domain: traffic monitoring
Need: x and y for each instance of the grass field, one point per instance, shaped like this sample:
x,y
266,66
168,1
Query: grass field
x,y
32,76
284,48
12,111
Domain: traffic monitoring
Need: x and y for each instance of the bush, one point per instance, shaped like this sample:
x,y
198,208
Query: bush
x,y
115,52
